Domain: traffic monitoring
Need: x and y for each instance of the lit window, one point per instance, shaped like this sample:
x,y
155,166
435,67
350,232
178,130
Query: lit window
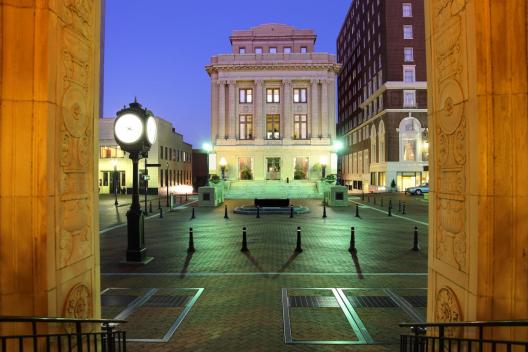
x,y
409,139
246,95
407,32
272,95
258,50
287,50
299,95
300,127
241,50
408,54
407,10
272,126
246,127
409,98
273,50
409,74
304,49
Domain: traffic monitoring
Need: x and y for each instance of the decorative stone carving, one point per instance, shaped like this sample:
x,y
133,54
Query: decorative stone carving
x,y
447,309
78,303
452,100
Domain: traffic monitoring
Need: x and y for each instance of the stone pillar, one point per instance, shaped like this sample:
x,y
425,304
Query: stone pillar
x,y
315,118
324,109
287,110
49,242
214,110
331,109
221,110
478,219
259,117
231,120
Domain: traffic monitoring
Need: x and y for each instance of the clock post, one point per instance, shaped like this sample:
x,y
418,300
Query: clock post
x,y
135,130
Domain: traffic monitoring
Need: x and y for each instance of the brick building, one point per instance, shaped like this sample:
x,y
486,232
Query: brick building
x,y
382,96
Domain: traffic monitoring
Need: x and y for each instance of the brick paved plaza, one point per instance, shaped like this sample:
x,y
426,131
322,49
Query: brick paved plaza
x,y
221,299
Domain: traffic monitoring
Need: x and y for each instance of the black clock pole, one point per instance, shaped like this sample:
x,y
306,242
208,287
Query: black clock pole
x,y
136,251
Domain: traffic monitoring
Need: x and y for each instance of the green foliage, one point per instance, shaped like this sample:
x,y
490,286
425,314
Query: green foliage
x,y
246,174
214,178
393,184
316,167
330,179
299,174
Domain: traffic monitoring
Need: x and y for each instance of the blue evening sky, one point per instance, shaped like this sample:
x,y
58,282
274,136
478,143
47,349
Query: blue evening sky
x,y
157,49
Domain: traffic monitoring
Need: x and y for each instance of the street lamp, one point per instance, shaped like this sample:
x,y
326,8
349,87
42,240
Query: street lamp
x,y
324,162
167,181
135,131
116,180
223,164
207,147
338,146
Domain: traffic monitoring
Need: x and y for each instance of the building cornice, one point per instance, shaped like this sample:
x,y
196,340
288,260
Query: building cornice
x,y
330,67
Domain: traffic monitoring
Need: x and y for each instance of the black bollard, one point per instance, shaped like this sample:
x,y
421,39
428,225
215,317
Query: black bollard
x,y
416,247
161,213
150,207
381,201
193,216
374,200
159,202
363,195
403,208
352,247
186,197
390,203
399,206
225,213
191,241
298,249
291,211
368,199
357,210
244,241
389,211
258,211
324,211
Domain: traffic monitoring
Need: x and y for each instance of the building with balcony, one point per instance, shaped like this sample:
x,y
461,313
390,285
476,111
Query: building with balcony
x,y
382,95
272,106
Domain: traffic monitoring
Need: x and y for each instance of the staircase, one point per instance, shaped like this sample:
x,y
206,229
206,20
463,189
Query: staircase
x,y
272,189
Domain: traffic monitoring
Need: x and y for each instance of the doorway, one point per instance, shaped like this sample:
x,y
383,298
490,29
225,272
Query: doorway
x,y
273,169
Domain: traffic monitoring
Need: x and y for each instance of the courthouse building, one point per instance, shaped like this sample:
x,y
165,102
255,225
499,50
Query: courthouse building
x,y
382,94
273,106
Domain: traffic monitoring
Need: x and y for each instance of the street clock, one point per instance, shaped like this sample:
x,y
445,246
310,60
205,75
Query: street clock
x,y
135,129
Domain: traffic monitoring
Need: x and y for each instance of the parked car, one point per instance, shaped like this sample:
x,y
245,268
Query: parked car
x,y
418,190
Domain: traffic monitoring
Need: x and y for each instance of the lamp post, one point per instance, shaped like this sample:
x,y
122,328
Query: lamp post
x,y
135,131
338,146
207,148
116,180
324,162
223,164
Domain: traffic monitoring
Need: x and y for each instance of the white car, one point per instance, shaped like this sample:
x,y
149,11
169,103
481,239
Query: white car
x,y
418,190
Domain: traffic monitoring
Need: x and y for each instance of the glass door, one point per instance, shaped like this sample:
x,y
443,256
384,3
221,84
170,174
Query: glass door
x,y
273,169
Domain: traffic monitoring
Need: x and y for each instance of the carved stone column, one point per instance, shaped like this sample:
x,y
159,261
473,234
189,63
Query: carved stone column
x,y
214,110
221,110
259,104
331,109
324,109
232,119
287,109
315,118
49,242
478,218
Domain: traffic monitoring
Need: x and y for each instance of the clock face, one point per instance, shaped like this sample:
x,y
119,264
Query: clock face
x,y
152,130
128,128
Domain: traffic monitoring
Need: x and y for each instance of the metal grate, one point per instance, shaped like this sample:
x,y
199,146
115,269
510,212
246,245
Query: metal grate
x,y
417,301
312,301
167,301
117,300
371,302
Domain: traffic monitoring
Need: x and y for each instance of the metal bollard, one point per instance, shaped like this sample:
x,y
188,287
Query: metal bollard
x,y
416,247
244,241
324,211
363,195
389,212
186,197
191,241
258,211
193,216
225,213
291,211
403,208
357,210
352,247
161,213
381,202
368,199
399,206
159,202
298,248
374,198
150,207
390,203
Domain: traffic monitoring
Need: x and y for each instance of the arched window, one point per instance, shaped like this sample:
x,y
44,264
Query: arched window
x,y
373,145
410,139
381,138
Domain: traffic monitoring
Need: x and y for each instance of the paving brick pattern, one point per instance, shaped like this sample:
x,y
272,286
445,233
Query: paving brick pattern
x,y
240,308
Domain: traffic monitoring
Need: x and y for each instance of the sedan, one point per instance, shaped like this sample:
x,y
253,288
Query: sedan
x,y
418,190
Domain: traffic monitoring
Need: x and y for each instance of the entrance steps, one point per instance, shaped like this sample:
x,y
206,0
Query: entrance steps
x,y
272,189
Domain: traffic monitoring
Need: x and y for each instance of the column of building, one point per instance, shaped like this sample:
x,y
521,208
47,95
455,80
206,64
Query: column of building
x,y
287,113
231,120
258,122
324,108
331,109
316,132
221,110
214,110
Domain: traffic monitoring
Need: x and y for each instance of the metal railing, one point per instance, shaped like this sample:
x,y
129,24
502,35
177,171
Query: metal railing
x,y
462,336
80,335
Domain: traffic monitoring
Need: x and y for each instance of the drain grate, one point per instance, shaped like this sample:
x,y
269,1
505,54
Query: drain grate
x,y
312,302
417,301
167,301
117,300
371,302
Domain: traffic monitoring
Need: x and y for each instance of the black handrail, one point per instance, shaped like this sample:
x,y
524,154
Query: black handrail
x,y
22,319
469,323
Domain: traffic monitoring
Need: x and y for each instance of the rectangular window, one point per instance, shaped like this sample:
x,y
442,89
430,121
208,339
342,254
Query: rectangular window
x,y
246,127
272,126
272,95
287,50
246,95
409,98
111,152
409,74
407,32
258,50
241,50
408,54
272,50
105,178
304,49
299,95
407,10
161,178
300,127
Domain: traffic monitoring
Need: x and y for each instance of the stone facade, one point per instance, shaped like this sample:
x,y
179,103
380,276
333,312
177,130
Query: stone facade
x,y
287,81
